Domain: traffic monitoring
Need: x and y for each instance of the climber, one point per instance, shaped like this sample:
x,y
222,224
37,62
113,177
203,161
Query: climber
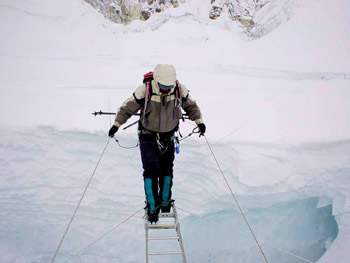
x,y
160,100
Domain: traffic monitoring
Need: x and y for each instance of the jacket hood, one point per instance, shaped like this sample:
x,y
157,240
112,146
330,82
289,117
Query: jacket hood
x,y
165,74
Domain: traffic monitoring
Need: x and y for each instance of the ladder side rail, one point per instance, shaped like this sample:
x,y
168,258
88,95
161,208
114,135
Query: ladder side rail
x,y
179,234
146,228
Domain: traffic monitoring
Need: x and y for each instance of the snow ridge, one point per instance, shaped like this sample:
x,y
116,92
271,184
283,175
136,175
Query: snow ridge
x,y
253,18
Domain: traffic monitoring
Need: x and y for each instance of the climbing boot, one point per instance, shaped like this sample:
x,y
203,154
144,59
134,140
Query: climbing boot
x,y
152,215
165,207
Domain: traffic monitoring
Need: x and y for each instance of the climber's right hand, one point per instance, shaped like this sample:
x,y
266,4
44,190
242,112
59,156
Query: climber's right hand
x,y
202,129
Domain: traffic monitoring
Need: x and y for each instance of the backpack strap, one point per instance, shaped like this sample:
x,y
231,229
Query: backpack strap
x,y
148,95
177,93
147,79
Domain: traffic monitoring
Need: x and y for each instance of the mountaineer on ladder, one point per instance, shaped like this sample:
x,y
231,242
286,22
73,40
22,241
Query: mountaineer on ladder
x,y
160,100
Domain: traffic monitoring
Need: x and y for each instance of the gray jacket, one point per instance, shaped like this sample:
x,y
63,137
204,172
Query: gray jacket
x,y
162,113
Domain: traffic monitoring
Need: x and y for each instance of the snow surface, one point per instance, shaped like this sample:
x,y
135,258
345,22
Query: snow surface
x,y
285,95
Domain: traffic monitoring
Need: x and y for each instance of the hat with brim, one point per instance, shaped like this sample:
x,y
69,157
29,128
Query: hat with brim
x,y
165,75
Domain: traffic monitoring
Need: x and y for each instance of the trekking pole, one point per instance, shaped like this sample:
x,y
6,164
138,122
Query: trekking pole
x,y
185,116
102,113
130,125
107,113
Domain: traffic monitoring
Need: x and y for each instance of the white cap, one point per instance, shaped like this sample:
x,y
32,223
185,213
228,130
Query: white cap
x,y
165,74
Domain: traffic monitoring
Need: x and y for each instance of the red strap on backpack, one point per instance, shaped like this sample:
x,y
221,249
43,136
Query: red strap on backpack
x,y
177,90
148,94
147,78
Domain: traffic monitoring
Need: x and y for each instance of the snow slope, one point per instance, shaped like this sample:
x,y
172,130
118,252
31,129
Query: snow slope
x,y
68,50
286,94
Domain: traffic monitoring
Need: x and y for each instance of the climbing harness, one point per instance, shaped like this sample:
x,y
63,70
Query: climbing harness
x,y
161,145
126,147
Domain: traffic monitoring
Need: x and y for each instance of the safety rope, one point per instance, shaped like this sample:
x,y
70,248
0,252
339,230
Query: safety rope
x,y
196,216
102,236
77,207
115,227
194,131
223,138
246,236
126,147
201,153
232,132
234,197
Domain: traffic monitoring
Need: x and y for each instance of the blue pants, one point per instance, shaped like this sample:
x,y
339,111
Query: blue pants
x,y
158,169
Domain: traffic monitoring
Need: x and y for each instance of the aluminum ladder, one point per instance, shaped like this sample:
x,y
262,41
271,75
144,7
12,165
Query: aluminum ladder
x,y
161,225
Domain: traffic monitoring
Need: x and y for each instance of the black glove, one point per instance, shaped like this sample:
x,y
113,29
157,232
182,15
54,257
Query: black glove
x,y
201,128
112,131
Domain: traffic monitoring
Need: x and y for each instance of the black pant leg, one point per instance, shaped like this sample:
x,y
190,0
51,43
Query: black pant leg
x,y
151,165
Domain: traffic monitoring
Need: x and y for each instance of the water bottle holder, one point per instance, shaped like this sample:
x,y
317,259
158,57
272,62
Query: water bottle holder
x,y
177,145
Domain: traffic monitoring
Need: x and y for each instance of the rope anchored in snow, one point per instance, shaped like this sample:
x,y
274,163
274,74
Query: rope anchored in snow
x,y
194,215
102,236
239,207
131,216
76,209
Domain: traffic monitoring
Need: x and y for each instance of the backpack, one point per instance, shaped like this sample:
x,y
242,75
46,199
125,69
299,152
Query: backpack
x,y
147,79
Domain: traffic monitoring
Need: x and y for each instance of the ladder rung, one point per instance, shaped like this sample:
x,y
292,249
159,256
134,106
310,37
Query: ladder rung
x,y
163,238
162,226
165,253
166,215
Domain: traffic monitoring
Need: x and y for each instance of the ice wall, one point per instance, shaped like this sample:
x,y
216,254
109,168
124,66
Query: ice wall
x,y
44,171
297,226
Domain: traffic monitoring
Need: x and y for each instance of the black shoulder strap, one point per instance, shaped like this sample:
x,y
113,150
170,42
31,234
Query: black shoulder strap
x,y
177,94
177,88
150,89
